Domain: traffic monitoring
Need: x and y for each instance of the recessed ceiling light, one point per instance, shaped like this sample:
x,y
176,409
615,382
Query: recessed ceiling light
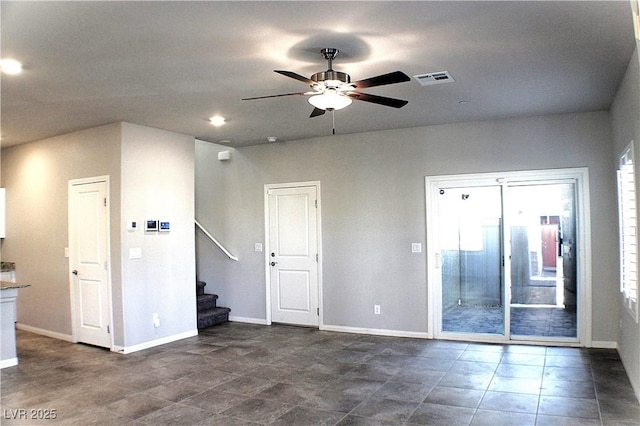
x,y
217,120
224,141
10,66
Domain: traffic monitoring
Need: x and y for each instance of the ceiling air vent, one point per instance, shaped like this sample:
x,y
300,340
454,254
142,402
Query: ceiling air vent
x,y
434,78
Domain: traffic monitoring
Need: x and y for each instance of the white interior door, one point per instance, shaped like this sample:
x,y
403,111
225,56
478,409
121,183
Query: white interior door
x,y
293,255
89,261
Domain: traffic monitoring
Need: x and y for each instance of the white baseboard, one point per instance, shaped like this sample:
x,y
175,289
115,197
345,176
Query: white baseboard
x,y
152,343
604,344
376,331
342,329
43,332
259,321
635,384
10,362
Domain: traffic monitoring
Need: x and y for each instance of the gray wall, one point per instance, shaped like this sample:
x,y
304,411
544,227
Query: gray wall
x,y
158,182
625,117
152,176
36,176
373,208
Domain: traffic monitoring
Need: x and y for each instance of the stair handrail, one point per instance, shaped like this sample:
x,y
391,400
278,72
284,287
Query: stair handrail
x,y
216,242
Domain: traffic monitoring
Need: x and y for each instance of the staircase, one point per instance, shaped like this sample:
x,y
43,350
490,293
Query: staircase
x,y
209,314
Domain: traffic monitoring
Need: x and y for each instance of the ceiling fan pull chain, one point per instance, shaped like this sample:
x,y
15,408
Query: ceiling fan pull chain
x,y
333,118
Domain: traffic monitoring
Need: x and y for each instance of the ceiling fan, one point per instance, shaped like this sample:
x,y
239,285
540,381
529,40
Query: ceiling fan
x,y
333,90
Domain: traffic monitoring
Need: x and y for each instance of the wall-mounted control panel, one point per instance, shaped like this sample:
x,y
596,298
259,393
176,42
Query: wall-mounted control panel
x,y
151,225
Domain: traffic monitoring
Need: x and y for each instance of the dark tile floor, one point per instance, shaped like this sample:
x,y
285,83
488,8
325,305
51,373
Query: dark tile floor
x,y
241,374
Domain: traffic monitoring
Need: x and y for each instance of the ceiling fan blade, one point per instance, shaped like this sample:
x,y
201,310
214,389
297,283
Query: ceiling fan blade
x,y
382,100
316,112
381,80
298,77
274,96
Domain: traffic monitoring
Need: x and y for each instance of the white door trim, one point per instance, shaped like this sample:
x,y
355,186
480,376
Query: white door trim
x,y
72,183
583,231
267,248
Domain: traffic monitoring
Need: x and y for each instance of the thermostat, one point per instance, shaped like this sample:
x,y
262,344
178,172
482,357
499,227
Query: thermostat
x,y
165,227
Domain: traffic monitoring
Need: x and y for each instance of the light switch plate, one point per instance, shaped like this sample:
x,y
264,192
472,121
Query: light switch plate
x,y
416,247
258,246
135,253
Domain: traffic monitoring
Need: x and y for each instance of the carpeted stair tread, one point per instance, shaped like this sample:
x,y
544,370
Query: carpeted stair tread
x,y
206,301
209,313
213,316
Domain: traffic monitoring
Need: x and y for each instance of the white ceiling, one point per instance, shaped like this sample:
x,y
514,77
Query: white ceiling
x,y
172,65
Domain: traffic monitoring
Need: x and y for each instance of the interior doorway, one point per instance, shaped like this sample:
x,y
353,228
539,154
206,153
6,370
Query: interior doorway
x,y
506,256
89,261
292,218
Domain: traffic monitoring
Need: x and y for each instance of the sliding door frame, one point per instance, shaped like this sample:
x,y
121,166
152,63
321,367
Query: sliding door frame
x,y
580,177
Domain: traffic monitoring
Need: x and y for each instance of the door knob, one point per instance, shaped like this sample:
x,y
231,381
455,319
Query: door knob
x,y
74,272
274,263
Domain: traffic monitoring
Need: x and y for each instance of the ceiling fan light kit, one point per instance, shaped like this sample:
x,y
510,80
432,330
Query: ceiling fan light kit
x,y
330,100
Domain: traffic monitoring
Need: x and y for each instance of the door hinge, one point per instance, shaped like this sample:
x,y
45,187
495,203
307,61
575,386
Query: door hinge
x,y
108,330
318,311
316,257
106,265
316,204
105,202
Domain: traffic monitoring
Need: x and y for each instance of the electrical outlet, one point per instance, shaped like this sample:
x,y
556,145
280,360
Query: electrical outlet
x,y
376,309
156,320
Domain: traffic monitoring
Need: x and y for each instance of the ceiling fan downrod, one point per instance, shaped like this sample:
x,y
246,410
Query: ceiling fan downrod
x,y
330,75
329,53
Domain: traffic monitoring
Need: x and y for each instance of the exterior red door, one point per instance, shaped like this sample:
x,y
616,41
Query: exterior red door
x,y
549,246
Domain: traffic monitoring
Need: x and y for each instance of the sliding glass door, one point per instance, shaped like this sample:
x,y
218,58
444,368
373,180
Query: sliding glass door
x,y
471,253
503,257
542,229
